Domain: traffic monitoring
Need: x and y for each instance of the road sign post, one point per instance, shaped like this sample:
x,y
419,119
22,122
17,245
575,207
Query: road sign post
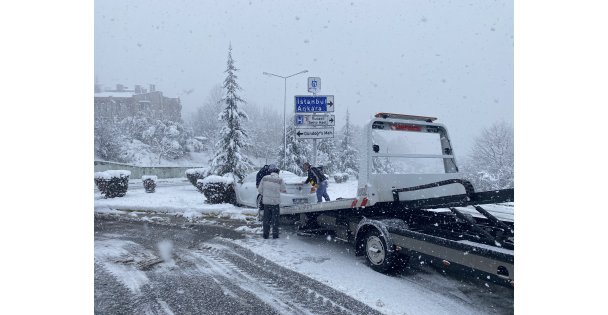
x,y
311,112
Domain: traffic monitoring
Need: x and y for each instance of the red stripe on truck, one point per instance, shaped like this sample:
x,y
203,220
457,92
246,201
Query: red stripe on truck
x,y
364,202
352,205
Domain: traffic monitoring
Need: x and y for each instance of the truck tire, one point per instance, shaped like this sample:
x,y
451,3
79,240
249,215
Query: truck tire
x,y
376,253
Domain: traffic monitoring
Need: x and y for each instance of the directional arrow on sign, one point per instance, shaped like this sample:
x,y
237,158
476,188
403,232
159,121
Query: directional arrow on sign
x,y
315,133
331,120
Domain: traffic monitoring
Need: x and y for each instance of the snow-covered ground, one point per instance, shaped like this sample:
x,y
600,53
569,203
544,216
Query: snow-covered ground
x,y
319,257
178,196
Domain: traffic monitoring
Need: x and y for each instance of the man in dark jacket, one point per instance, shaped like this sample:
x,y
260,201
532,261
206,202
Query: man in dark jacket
x,y
265,170
318,181
261,173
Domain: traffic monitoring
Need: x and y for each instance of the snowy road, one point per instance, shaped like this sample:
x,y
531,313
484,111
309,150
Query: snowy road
x,y
224,267
206,270
143,268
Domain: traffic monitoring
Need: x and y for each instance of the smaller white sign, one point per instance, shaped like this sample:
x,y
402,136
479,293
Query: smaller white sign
x,y
314,85
315,120
314,133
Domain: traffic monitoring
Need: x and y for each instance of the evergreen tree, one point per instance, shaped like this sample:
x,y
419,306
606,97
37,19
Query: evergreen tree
x,y
297,151
348,153
233,138
327,155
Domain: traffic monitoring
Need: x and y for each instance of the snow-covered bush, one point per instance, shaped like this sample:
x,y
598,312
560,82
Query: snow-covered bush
x,y
149,183
218,189
194,174
112,183
340,177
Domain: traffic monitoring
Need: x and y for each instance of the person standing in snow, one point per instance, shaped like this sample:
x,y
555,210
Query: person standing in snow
x,y
270,188
258,177
318,181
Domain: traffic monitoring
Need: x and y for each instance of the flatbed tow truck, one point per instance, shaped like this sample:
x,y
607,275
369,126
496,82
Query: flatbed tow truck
x,y
412,208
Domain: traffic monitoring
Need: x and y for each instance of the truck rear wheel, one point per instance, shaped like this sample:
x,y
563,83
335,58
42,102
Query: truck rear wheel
x,y
376,252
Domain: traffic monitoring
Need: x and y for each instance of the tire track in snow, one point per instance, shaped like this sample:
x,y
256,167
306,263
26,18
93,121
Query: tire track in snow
x,y
287,291
199,275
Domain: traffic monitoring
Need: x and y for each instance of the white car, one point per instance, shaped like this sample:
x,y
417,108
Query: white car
x,y
297,193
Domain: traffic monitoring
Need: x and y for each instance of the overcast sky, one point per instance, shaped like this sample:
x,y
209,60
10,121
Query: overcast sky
x,y
448,59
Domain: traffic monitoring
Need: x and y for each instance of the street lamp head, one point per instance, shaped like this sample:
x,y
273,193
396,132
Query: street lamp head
x,y
283,77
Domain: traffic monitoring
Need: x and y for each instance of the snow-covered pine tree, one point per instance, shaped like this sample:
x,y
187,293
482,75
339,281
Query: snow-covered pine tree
x,y
348,156
229,157
327,155
297,151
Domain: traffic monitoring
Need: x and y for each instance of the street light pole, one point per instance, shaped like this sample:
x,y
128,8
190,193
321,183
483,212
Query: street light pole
x,y
284,108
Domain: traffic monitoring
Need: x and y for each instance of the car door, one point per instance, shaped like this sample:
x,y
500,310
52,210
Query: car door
x,y
247,192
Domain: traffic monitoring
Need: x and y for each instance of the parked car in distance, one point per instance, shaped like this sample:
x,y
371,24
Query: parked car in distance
x,y
297,193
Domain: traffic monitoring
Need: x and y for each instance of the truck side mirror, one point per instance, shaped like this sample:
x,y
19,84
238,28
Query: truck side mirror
x,y
376,148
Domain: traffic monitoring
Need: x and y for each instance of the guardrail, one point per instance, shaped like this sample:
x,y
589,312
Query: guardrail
x,y
139,171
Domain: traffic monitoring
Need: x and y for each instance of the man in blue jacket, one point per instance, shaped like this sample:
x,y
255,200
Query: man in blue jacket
x,y
318,181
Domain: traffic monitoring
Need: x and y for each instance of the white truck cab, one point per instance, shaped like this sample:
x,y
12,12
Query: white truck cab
x,y
405,151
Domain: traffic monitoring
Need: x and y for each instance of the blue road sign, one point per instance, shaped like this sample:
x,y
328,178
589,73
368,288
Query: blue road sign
x,y
299,119
314,104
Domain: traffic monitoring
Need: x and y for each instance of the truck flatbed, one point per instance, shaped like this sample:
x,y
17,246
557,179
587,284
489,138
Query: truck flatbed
x,y
414,211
